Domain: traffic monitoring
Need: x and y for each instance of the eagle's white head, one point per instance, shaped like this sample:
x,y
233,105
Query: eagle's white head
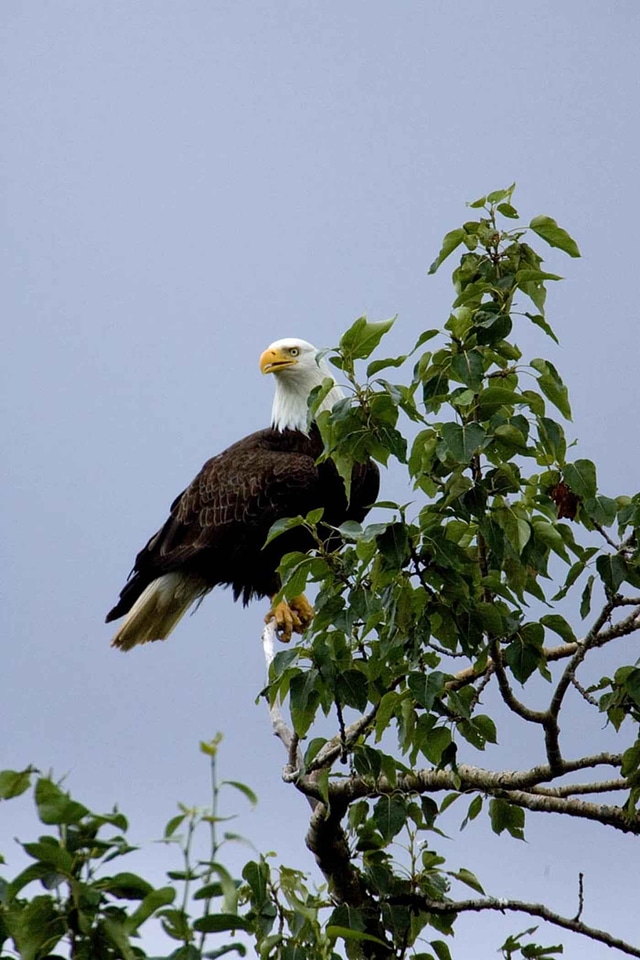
x,y
297,371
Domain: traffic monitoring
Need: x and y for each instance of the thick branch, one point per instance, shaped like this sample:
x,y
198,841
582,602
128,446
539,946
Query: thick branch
x,y
510,785
518,906
473,778
599,812
328,842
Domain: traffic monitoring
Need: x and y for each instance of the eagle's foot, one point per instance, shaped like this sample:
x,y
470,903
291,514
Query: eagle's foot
x,y
291,617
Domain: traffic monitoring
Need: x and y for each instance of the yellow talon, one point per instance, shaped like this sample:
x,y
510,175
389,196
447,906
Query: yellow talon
x,y
291,617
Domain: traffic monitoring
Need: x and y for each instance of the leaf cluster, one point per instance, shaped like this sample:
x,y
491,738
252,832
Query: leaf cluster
x,y
502,525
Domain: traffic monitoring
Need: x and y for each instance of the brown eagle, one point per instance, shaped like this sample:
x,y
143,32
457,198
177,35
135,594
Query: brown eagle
x,y
217,527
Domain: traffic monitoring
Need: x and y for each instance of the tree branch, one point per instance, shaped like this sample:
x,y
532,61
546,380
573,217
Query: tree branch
x,y
509,785
574,789
280,728
515,705
327,841
470,674
597,637
518,906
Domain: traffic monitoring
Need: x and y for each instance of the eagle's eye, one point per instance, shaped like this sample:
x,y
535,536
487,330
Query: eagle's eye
x,y
293,352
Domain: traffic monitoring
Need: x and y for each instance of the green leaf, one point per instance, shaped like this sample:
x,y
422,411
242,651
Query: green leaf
x,y
155,899
116,934
602,510
352,689
52,854
581,477
426,687
505,816
474,809
495,397
36,928
451,240
173,825
244,789
630,759
425,336
535,275
549,535
557,394
540,321
55,806
440,949
125,886
14,782
466,876
490,618
389,816
613,570
508,211
363,337
304,700
462,442
555,236
256,873
228,886
318,395
498,196
630,681
585,601
486,727
367,761
435,744
393,545
560,626
377,365
468,368
282,525
523,656
509,434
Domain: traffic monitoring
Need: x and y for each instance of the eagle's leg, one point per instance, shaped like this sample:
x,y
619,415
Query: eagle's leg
x,y
291,617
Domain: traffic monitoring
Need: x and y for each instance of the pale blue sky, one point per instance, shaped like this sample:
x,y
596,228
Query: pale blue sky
x,y
185,182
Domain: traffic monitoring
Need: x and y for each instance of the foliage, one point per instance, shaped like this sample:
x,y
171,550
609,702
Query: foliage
x,y
89,912
419,616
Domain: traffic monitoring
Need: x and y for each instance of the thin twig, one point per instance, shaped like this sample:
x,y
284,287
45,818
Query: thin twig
x,y
603,533
580,896
583,693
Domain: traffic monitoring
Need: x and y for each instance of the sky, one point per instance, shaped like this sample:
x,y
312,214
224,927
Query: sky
x,y
183,183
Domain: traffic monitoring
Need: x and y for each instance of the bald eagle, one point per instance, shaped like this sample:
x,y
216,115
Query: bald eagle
x,y
217,527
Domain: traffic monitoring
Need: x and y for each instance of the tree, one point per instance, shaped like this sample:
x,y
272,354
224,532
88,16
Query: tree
x,y
419,616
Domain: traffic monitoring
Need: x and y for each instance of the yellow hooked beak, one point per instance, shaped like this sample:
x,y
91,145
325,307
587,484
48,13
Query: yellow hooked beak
x,y
273,360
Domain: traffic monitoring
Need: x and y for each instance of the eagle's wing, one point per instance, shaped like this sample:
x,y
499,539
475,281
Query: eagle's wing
x,y
238,495
225,514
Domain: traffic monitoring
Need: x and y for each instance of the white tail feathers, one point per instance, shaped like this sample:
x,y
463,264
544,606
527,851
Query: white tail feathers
x,y
158,609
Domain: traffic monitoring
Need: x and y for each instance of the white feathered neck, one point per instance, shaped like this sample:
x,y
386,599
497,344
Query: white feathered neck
x,y
295,383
